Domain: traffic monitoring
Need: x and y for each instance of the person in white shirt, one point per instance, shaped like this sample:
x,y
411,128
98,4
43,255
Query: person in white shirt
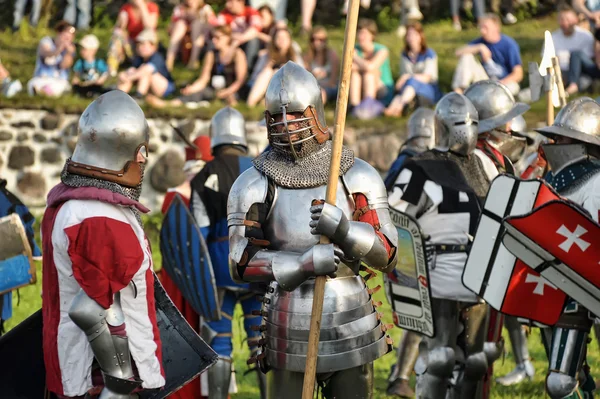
x,y
570,38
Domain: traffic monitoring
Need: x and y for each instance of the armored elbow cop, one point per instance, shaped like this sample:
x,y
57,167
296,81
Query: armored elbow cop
x,y
111,351
358,240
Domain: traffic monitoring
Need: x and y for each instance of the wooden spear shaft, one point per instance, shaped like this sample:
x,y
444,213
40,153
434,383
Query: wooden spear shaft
x,y
549,103
310,370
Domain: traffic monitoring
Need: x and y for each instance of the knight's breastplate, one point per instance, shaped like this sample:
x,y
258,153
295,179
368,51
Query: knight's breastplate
x,y
288,221
351,333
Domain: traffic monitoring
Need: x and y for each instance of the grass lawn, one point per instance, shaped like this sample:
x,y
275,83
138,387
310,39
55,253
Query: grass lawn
x,y
18,52
30,301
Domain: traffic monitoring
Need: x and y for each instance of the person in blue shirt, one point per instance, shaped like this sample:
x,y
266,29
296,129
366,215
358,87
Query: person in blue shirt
x,y
9,204
498,58
90,72
149,71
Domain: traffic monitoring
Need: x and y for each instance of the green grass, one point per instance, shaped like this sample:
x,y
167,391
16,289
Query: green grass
x,y
30,301
18,51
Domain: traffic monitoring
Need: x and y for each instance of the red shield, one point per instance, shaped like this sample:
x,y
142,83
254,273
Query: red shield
x,y
562,243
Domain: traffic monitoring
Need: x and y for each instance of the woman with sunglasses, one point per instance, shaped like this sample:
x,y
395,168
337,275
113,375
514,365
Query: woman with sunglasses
x,y
323,62
218,79
419,73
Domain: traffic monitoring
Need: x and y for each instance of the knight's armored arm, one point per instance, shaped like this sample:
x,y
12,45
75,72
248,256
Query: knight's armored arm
x,y
251,260
105,330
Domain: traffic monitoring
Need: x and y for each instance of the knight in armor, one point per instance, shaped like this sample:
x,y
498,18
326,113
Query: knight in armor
x,y
210,189
498,146
99,318
573,156
276,215
442,189
9,204
421,137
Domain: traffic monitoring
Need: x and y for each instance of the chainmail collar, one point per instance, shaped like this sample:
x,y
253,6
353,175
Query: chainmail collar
x,y
73,180
572,178
309,171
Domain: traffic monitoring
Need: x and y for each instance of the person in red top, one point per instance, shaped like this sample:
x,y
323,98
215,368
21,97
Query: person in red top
x,y
134,17
245,23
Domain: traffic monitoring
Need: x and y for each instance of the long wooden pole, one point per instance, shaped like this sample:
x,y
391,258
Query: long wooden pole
x,y
310,370
549,102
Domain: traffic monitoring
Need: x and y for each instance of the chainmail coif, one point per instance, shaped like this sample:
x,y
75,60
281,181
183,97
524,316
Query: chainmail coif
x,y
311,170
73,180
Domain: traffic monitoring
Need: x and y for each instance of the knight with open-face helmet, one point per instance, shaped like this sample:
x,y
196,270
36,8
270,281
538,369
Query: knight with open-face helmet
x,y
276,215
573,155
442,189
421,137
98,291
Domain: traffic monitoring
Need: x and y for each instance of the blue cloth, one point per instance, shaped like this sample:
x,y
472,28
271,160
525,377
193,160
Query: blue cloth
x,y
222,342
506,54
11,204
396,167
571,174
90,71
157,61
429,91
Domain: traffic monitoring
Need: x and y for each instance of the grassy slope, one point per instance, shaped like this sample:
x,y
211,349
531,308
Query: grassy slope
x,y
18,54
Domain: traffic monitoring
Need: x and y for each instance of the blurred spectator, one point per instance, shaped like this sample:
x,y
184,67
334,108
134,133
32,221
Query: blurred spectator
x,y
34,15
308,9
419,73
409,12
134,17
149,71
8,87
278,7
190,18
582,65
478,10
499,54
371,72
280,51
79,13
218,79
268,23
591,10
570,38
507,9
90,73
245,23
54,59
323,62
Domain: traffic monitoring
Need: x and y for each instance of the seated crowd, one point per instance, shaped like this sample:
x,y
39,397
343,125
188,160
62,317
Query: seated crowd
x,y
238,49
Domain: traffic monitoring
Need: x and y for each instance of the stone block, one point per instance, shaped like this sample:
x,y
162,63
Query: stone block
x,y
21,156
23,124
51,155
32,184
21,137
5,135
39,137
50,121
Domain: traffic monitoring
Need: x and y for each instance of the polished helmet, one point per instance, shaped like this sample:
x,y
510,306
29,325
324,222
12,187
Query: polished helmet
x,y
112,130
456,124
228,126
421,130
579,121
294,89
494,103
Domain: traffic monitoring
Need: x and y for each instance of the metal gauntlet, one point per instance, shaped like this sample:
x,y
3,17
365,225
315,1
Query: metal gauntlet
x,y
291,269
357,240
111,351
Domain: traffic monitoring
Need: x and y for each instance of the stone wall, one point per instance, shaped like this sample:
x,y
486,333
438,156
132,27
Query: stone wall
x,y
35,144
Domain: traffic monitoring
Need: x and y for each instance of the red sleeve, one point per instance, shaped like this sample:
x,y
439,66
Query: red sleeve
x,y
364,213
105,254
152,8
253,18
